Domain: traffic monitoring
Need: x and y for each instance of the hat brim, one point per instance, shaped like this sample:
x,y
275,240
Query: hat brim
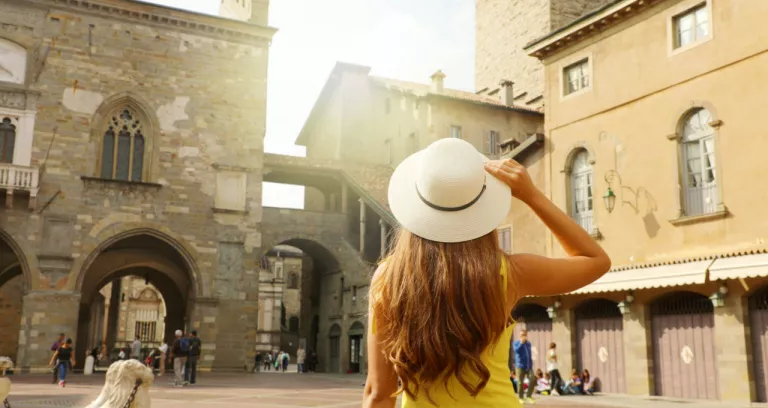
x,y
414,215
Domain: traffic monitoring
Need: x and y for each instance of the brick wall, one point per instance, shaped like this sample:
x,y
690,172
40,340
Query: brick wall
x,y
10,316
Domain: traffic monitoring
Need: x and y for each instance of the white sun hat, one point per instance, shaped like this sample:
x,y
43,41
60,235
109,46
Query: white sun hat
x,y
444,194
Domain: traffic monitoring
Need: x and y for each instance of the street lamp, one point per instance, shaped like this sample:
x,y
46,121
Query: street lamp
x,y
624,305
552,310
609,198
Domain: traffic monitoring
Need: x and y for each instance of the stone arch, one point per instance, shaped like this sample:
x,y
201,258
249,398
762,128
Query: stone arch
x,y
315,248
574,150
105,236
530,311
668,302
356,328
150,127
597,307
24,263
334,331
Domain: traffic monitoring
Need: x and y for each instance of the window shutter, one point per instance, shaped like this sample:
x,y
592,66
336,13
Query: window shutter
x,y
487,143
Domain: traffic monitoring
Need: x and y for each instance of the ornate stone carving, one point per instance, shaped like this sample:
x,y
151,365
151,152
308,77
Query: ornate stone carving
x,y
14,100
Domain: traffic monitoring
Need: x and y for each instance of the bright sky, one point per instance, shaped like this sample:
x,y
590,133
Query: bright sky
x,y
403,39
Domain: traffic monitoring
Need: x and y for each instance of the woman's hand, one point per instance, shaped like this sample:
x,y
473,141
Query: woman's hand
x,y
515,176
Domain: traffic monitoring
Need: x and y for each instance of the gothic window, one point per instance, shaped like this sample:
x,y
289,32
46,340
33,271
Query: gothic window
x,y
7,140
581,190
698,158
122,153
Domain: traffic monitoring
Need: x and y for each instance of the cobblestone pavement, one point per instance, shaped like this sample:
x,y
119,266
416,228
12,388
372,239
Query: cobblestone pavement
x,y
261,390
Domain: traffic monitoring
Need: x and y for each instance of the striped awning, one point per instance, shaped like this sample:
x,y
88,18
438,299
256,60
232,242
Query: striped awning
x,y
745,266
650,277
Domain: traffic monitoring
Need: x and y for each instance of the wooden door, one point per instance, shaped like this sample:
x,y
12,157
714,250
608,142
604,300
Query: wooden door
x,y
600,344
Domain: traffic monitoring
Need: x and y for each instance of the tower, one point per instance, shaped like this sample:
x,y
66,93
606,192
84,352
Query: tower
x,y
254,11
503,28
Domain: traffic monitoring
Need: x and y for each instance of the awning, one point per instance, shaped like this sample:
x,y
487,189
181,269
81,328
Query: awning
x,y
650,277
745,266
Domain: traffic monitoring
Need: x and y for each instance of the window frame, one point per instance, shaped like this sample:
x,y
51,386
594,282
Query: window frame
x,y
571,62
133,137
699,138
673,17
499,231
493,149
585,219
14,123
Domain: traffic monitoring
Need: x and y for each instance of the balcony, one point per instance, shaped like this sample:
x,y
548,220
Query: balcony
x,y
14,178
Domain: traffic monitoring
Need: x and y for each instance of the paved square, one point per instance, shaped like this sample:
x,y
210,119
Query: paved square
x,y
261,390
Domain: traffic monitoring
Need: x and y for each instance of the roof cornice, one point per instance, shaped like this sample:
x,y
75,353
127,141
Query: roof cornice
x,y
586,26
152,14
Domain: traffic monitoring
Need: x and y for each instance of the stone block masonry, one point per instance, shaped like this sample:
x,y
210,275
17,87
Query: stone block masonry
x,y
197,85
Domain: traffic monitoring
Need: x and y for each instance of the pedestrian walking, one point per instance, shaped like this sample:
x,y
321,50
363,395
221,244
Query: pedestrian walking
x,y
163,357
524,367
136,349
286,359
54,348
257,362
553,369
446,277
301,356
179,357
63,360
267,361
195,346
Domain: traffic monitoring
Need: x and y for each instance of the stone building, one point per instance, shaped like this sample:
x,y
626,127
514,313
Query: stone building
x,y
503,28
280,300
131,136
653,140
141,313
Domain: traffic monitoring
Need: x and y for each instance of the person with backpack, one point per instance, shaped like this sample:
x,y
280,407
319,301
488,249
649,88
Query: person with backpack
x,y
55,347
179,354
190,372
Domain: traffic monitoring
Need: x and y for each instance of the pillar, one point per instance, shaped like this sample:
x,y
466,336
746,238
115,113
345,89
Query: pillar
x,y
362,225
562,336
731,351
44,315
383,236
638,361
113,314
344,197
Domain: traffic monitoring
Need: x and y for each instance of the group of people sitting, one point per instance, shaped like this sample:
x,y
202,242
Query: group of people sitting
x,y
583,384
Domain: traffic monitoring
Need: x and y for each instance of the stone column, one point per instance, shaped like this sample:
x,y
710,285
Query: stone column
x,y
344,196
113,314
383,236
562,334
637,350
204,318
362,225
44,315
733,362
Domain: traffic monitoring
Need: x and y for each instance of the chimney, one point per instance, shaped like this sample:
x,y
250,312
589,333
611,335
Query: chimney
x,y
437,81
260,12
507,92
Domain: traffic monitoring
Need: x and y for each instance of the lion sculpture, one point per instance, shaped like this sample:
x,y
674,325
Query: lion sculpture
x,y
5,383
119,383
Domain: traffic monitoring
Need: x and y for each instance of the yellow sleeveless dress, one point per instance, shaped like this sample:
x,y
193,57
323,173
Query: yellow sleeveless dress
x,y
499,391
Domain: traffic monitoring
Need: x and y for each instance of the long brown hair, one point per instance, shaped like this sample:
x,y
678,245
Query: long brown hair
x,y
438,307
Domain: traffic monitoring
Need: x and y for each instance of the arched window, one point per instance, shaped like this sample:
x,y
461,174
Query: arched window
x,y
122,151
293,281
698,160
581,190
7,140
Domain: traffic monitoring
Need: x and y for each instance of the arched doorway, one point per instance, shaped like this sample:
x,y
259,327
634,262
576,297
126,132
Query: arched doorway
x,y
600,343
13,284
356,332
146,257
535,319
683,346
334,352
758,317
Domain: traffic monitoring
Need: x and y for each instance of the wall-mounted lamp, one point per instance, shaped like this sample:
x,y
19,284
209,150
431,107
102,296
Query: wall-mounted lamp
x,y
624,305
552,310
609,198
718,298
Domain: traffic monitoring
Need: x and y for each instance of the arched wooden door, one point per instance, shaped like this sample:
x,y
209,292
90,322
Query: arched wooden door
x,y
600,344
536,321
758,316
334,355
683,346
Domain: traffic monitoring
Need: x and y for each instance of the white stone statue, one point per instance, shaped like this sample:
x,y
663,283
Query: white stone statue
x,y
5,382
120,382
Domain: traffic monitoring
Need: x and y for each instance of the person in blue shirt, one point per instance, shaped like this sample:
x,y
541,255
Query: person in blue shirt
x,y
524,367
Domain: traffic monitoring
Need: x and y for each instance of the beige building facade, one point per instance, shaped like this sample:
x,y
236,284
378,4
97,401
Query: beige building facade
x,y
653,144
